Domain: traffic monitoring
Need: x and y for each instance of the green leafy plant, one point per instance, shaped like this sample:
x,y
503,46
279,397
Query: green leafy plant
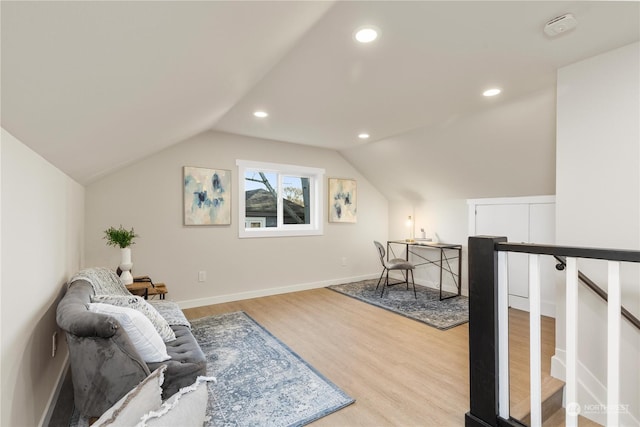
x,y
120,236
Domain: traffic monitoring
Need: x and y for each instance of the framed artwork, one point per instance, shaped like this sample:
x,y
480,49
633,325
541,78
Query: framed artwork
x,y
343,198
207,196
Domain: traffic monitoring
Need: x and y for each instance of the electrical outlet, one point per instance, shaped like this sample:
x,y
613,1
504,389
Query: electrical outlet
x,y
202,276
344,261
54,344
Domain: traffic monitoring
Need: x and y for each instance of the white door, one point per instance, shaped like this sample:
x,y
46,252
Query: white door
x,y
523,223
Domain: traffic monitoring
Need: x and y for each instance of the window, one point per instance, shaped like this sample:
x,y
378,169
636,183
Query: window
x,y
279,200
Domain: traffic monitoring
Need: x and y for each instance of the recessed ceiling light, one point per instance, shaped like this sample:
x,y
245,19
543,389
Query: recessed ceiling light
x,y
491,92
366,34
363,136
261,114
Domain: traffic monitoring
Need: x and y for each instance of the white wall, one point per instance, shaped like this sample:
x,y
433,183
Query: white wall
x,y
598,202
443,220
148,196
42,245
507,150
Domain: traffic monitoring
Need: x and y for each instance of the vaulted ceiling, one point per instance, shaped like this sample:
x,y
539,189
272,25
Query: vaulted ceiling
x,y
92,86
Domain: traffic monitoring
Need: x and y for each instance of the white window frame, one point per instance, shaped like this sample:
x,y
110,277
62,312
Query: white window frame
x,y
316,191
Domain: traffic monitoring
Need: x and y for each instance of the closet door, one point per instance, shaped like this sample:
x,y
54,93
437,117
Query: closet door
x,y
512,221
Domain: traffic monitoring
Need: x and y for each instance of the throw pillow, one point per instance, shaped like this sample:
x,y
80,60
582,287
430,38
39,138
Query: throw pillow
x,y
138,303
186,408
145,397
139,329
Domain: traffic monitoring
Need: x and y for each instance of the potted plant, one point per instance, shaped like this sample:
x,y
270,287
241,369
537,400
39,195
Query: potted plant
x,y
122,238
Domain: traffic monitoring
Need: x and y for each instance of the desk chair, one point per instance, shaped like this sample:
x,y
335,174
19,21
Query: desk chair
x,y
394,264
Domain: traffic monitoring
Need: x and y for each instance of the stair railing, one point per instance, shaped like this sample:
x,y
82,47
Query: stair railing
x,y
562,263
489,330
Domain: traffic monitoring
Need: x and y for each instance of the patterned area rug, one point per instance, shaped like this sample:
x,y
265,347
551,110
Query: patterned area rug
x,y
260,381
427,308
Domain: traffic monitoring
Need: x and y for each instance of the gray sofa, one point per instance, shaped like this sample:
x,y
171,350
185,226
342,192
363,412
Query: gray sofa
x,y
104,363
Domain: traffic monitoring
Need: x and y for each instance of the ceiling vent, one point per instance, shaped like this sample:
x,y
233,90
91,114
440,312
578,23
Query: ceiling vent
x,y
560,24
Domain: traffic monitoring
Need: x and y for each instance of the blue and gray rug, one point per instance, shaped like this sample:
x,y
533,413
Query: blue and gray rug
x,y
260,381
427,308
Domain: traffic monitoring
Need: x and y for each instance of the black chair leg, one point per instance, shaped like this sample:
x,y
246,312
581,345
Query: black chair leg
x,y
413,280
386,283
381,274
406,279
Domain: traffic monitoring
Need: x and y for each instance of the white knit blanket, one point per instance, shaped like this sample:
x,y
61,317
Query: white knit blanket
x,y
103,280
171,312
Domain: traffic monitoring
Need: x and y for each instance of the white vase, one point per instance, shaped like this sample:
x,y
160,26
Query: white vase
x,y
125,266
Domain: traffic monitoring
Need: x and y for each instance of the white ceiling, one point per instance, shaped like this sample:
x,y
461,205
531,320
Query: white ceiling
x,y
92,86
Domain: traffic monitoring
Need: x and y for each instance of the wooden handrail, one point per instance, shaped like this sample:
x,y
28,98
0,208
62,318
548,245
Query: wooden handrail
x,y
598,290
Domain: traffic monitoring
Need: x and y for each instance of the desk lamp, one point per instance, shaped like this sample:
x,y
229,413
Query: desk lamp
x,y
410,225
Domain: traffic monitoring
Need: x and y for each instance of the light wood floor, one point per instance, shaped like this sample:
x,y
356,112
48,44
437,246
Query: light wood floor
x,y
400,371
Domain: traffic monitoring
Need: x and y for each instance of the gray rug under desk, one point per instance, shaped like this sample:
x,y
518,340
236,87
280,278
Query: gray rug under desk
x,y
426,308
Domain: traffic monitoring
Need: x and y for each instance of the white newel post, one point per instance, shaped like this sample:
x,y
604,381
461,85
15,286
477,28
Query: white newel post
x,y
613,345
535,340
125,266
571,377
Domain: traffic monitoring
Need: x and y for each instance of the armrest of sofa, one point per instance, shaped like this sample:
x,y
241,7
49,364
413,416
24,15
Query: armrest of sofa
x,y
74,317
88,324
103,370
105,364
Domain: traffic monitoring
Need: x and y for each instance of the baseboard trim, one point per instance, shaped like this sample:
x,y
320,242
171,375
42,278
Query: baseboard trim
x,y
219,299
547,308
53,399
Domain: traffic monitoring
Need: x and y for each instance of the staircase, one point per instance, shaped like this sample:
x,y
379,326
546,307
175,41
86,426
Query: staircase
x,y
553,414
499,360
552,389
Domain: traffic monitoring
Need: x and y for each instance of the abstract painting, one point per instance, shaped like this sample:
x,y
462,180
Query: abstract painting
x,y
342,200
207,196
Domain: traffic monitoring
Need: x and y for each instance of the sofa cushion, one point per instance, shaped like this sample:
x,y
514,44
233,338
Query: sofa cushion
x,y
141,332
187,361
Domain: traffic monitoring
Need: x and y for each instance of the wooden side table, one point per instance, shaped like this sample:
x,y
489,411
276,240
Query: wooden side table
x,y
157,289
138,288
146,288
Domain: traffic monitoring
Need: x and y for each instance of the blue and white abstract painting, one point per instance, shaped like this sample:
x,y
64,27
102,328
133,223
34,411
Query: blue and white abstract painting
x,y
342,200
207,196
